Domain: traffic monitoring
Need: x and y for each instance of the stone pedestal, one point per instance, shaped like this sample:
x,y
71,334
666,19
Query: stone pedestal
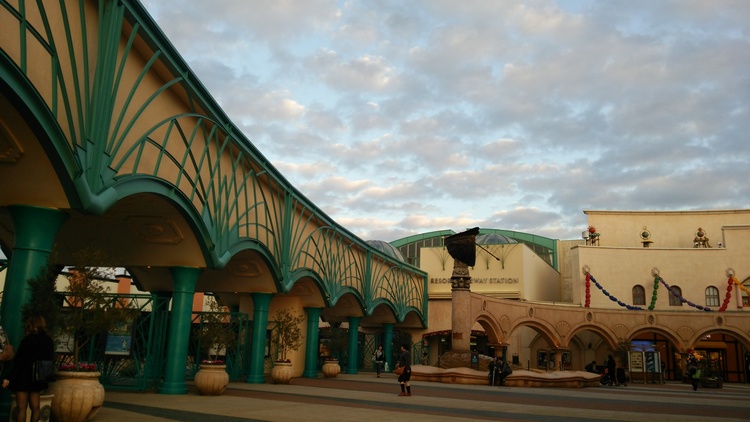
x,y
461,308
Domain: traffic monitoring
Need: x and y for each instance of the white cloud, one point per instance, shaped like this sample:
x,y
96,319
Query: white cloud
x,y
402,117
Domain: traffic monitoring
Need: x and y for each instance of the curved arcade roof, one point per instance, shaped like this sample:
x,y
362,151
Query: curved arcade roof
x,y
545,247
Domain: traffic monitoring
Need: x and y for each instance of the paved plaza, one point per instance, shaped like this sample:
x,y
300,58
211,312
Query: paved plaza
x,y
363,397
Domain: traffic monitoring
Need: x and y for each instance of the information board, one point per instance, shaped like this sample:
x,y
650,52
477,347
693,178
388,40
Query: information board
x,y
636,361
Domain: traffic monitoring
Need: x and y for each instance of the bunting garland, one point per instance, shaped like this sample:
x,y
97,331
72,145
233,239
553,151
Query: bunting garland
x,y
740,285
679,296
731,282
590,278
730,285
653,295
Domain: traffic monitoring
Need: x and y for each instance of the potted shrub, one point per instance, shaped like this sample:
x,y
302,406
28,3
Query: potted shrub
x,y
331,367
89,314
44,299
337,342
288,335
215,337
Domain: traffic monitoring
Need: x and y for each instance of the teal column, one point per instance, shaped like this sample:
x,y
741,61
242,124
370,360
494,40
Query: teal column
x,y
184,279
388,344
157,337
35,230
311,345
352,367
261,302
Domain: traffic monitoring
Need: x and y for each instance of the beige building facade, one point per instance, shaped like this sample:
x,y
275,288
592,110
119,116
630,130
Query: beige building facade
x,y
668,268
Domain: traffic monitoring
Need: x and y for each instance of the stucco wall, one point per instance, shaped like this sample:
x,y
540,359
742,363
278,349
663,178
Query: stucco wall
x,y
669,229
520,274
621,261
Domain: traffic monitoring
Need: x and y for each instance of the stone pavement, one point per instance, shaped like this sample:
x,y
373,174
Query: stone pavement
x,y
363,397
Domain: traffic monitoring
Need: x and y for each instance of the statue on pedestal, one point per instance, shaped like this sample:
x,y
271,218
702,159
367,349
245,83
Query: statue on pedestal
x,y
462,247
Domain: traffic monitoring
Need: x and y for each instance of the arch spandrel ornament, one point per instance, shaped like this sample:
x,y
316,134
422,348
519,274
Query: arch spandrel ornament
x,y
620,331
505,324
563,328
685,333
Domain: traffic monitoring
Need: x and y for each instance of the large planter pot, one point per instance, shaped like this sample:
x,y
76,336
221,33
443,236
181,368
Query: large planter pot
x,y
211,380
331,368
282,373
78,396
45,406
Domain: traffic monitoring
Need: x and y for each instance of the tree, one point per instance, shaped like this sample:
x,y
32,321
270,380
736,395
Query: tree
x,y
44,299
288,333
90,311
216,333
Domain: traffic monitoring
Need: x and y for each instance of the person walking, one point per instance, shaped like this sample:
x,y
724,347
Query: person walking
x,y
36,345
611,369
379,359
404,361
694,372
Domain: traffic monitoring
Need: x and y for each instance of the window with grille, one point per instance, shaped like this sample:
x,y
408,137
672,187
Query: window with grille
x,y
712,296
639,295
674,296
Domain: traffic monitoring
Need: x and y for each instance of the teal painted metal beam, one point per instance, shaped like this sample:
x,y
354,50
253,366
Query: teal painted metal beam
x,y
35,231
311,343
184,280
352,366
230,193
388,344
261,303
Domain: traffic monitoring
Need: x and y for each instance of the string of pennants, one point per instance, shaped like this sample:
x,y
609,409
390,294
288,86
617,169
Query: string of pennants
x,y
731,282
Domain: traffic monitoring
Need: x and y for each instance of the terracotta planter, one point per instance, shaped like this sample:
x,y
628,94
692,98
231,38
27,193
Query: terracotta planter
x,y
282,373
78,396
331,368
45,405
211,380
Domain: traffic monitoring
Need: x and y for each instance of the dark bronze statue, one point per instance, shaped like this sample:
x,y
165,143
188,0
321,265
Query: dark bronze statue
x,y
462,246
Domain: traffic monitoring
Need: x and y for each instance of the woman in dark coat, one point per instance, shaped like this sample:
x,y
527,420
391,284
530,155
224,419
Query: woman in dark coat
x,y
404,361
36,345
611,369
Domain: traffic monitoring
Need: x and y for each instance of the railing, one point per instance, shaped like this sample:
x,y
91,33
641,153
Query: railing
x,y
130,357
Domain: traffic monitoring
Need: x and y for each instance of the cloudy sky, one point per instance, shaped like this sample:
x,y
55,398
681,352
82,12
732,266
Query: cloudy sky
x,y
400,117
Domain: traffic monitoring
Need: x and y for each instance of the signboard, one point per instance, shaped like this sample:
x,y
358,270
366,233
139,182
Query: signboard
x,y
120,339
118,345
636,361
64,343
651,362
567,361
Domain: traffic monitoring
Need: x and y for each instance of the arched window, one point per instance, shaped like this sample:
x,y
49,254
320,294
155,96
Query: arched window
x,y
639,295
712,296
674,296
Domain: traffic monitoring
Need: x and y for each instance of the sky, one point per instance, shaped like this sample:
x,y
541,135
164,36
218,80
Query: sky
x,y
403,117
